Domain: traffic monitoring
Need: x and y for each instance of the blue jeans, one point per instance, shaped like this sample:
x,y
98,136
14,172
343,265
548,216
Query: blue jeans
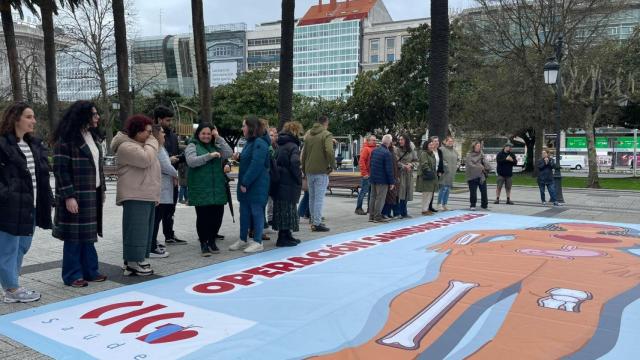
x,y
364,191
251,214
552,191
317,188
11,254
79,261
443,194
390,210
183,194
402,208
303,207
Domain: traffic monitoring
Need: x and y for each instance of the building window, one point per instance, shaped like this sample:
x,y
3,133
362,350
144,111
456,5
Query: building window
x,y
390,44
404,39
374,47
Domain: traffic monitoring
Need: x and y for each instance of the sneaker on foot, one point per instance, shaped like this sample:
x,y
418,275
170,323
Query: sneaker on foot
x,y
319,228
204,249
254,247
556,204
406,216
473,208
380,219
137,269
544,203
445,208
79,283
238,245
99,278
213,247
175,241
359,211
509,202
21,295
497,201
158,253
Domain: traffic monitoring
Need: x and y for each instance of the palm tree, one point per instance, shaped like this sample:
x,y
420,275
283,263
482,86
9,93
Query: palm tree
x,y
285,88
197,18
122,59
10,41
439,75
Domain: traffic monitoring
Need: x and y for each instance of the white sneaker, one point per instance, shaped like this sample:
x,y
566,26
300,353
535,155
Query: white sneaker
x,y
238,245
544,203
254,247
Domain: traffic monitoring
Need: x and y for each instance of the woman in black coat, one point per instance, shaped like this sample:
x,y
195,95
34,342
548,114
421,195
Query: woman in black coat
x,y
25,196
285,212
80,193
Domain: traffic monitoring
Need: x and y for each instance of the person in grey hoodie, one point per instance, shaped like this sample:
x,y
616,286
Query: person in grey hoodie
x,y
168,176
477,170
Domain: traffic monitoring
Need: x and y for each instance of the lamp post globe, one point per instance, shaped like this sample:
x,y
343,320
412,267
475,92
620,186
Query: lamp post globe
x,y
551,69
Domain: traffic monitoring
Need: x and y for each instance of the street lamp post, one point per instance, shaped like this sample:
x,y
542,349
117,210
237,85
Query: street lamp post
x,y
552,76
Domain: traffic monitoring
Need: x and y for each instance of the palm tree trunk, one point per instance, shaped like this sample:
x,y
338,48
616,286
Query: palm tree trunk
x,y
12,50
439,74
285,87
202,66
122,59
46,10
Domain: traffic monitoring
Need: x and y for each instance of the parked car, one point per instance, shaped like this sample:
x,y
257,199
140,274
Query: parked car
x,y
577,162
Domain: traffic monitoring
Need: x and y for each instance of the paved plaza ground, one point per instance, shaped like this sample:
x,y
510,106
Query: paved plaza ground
x,y
41,270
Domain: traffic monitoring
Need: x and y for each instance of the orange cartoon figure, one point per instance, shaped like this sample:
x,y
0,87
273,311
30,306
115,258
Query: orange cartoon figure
x,y
563,275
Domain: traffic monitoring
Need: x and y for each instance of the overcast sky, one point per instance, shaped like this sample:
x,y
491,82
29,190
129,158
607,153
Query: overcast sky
x,y
176,14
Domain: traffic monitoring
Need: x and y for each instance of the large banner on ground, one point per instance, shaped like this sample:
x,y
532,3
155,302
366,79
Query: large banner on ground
x,y
459,285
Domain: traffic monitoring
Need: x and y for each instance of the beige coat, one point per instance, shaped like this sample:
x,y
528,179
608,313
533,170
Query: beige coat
x,y
407,184
138,169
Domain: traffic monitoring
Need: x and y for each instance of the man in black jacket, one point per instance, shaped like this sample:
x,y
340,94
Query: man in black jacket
x,y
506,160
163,116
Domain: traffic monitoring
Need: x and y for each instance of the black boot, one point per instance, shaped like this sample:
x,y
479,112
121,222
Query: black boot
x,y
213,247
297,241
284,239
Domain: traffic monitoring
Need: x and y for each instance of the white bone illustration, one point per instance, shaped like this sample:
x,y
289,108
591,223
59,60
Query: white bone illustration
x,y
568,300
409,335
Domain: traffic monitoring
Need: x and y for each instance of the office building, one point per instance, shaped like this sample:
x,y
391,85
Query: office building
x,y
263,46
30,46
328,43
382,42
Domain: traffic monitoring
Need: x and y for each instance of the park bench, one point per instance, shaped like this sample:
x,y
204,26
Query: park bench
x,y
348,182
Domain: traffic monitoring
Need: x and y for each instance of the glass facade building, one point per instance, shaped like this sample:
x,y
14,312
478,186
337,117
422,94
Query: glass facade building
x,y
326,58
78,81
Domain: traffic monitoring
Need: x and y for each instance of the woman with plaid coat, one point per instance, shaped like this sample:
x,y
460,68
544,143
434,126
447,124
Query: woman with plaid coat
x,y
80,193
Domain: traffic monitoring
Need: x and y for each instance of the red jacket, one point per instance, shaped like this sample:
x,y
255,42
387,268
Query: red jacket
x,y
365,159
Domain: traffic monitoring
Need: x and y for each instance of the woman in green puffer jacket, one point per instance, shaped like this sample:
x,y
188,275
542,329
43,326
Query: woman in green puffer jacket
x,y
206,183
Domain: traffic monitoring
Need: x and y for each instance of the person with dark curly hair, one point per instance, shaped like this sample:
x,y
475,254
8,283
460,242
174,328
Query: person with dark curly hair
x,y
139,184
80,193
25,196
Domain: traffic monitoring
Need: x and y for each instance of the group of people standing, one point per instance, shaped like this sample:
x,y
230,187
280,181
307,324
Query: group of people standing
x,y
147,188
388,176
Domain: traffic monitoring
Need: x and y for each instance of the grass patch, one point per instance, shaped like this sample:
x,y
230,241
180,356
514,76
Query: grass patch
x,y
628,183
